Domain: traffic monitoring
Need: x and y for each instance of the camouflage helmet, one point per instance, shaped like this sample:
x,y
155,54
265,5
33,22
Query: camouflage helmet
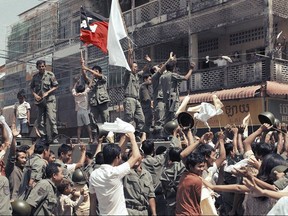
x,y
170,126
79,177
20,207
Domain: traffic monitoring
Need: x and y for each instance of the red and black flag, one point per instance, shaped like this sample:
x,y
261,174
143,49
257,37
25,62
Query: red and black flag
x,y
94,29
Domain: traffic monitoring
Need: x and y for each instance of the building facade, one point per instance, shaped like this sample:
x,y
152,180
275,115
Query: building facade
x,y
244,30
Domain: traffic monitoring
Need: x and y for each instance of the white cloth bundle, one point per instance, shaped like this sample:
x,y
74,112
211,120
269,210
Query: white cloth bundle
x,y
238,165
118,126
206,112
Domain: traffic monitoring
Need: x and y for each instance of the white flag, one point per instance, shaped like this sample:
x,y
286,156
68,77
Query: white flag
x,y
116,32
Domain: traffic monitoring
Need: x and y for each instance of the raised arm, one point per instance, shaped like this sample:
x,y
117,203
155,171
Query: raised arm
x,y
222,151
81,161
192,145
95,73
172,57
189,73
135,150
250,139
235,139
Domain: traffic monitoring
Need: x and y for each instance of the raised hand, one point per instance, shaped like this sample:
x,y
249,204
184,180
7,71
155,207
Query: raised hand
x,y
147,58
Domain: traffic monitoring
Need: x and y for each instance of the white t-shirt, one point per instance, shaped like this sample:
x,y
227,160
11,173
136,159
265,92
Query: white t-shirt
x,y
71,168
106,182
21,109
81,99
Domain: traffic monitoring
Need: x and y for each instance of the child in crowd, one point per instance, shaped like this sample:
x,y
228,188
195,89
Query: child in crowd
x,y
22,114
66,204
80,93
80,184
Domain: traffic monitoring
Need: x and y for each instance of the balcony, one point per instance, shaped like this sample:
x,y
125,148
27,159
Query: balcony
x,y
239,75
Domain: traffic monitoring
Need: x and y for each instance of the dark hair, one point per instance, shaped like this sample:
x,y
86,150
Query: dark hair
x,y
263,149
268,163
228,148
99,159
160,150
193,159
148,147
111,152
89,155
19,151
64,148
51,169
174,154
146,75
52,152
96,67
80,88
205,150
21,93
23,148
65,183
40,147
170,66
39,62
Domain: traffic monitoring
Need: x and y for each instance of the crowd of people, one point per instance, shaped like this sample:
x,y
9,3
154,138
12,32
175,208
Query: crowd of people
x,y
226,173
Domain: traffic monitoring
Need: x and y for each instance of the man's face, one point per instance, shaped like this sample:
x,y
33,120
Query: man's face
x,y
58,177
119,159
134,68
21,159
212,158
46,154
41,68
52,158
198,168
67,158
21,99
148,80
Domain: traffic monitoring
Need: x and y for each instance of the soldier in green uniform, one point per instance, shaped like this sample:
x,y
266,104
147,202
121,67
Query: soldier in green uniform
x,y
170,82
132,107
34,169
139,191
43,197
145,96
5,206
43,86
158,103
99,97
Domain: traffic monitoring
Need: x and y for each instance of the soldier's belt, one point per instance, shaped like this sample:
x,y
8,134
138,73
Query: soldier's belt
x,y
136,207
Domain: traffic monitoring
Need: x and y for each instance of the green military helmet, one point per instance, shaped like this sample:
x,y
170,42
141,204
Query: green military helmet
x,y
79,177
20,207
170,126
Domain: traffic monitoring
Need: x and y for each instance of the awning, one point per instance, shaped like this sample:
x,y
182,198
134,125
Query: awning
x,y
275,88
227,94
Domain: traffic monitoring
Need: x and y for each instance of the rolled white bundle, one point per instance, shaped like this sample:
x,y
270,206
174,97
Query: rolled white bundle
x,y
119,126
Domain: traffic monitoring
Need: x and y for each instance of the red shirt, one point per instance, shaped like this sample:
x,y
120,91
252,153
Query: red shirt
x,y
189,195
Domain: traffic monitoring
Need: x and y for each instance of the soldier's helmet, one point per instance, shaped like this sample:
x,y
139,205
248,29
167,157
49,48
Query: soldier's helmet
x,y
170,126
185,120
20,207
79,177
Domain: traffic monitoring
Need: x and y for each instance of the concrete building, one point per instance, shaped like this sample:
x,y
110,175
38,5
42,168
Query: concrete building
x,y
244,30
